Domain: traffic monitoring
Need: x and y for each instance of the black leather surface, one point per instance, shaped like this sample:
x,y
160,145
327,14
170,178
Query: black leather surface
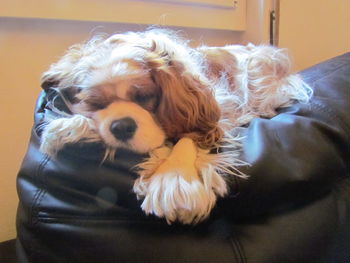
x,y
7,251
294,208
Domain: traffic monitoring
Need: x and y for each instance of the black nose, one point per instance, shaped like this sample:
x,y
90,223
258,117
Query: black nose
x,y
123,129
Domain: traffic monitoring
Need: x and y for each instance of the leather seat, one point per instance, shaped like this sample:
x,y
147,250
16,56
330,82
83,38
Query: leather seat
x,y
294,208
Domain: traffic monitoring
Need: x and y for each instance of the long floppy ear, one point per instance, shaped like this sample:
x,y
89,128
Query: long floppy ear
x,y
187,106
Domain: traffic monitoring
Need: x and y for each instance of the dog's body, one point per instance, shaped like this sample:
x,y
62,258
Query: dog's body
x,y
152,93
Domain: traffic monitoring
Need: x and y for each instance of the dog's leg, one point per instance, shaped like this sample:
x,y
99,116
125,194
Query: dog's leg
x,y
176,189
62,131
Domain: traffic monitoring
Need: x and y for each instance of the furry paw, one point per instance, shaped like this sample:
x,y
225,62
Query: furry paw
x,y
62,131
176,189
171,196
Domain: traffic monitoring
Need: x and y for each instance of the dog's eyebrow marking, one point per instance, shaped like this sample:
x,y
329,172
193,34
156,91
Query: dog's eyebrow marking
x,y
95,103
146,96
99,97
69,94
122,90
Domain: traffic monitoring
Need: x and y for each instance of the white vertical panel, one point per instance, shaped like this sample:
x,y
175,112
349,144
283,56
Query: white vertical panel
x,y
187,13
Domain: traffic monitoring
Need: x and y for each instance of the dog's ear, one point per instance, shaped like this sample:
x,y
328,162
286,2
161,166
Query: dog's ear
x,y
187,105
70,94
48,84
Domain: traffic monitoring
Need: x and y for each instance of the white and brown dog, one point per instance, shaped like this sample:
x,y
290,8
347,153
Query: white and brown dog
x,y
151,93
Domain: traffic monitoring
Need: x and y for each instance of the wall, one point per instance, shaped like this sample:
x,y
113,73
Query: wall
x,y
223,14
314,30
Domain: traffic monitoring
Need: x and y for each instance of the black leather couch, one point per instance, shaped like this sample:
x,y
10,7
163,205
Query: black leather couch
x,y
294,208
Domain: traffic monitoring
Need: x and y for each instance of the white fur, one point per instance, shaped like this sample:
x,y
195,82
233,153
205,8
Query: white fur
x,y
62,131
176,190
263,83
181,183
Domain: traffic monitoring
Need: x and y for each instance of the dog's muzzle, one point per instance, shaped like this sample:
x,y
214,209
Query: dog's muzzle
x,y
123,129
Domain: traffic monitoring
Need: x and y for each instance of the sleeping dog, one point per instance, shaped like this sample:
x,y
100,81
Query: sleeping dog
x,y
152,93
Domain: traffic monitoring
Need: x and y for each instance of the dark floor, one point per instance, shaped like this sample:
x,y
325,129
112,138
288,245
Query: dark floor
x,y
7,251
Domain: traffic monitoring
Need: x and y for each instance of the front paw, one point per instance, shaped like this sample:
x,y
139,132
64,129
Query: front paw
x,y
178,195
174,188
62,131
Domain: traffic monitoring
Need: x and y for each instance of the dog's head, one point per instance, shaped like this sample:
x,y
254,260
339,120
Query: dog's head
x,y
140,89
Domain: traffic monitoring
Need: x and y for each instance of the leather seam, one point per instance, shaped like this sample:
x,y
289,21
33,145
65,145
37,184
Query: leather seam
x,y
331,115
77,219
237,250
40,192
326,74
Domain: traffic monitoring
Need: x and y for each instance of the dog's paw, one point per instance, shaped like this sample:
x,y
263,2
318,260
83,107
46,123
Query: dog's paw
x,y
175,188
62,131
147,168
172,196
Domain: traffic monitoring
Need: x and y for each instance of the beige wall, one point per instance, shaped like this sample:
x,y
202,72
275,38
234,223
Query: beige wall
x,y
314,30
212,14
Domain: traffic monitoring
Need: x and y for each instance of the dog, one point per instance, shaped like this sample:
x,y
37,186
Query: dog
x,y
152,93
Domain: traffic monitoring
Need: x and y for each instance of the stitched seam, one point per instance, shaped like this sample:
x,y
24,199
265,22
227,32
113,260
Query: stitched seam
x,y
331,114
40,192
34,209
244,258
326,75
77,220
37,192
135,218
237,250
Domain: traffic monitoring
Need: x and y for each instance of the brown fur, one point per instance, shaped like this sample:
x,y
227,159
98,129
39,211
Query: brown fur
x,y
189,109
220,63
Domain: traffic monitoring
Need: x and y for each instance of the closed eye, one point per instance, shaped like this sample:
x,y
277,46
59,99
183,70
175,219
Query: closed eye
x,y
146,100
143,98
95,104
